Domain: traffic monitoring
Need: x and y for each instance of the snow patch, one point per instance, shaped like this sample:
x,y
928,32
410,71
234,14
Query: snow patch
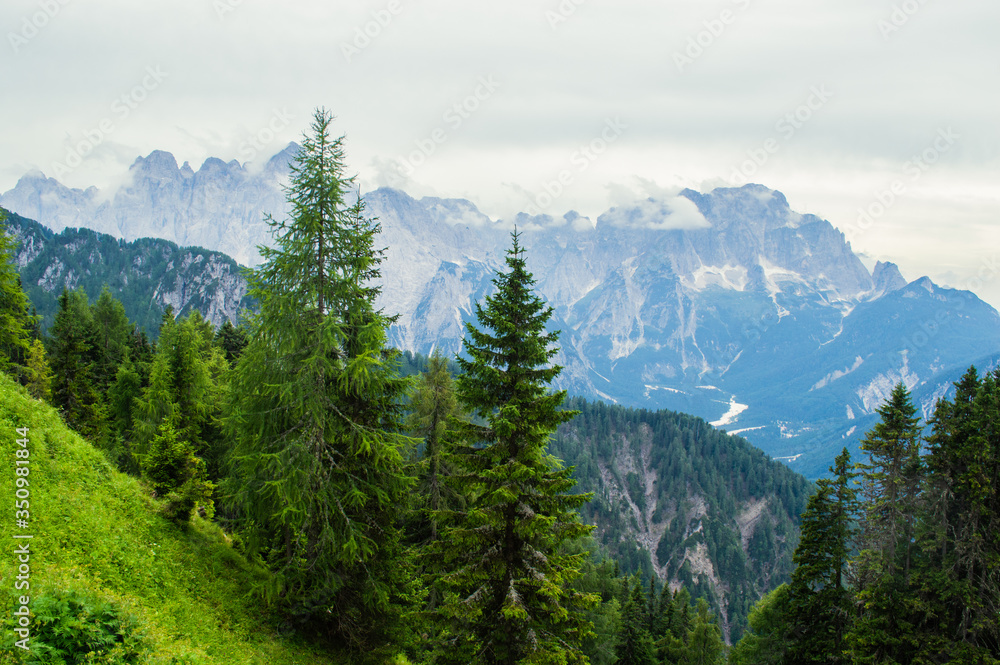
x,y
667,388
836,374
746,429
878,389
730,416
729,277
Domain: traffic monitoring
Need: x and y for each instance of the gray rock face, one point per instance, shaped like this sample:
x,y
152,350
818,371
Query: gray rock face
x,y
887,278
728,305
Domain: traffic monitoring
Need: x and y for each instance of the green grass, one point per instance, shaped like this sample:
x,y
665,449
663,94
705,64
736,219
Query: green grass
x,y
99,535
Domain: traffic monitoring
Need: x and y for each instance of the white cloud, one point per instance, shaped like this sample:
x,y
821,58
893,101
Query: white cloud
x,y
657,214
684,129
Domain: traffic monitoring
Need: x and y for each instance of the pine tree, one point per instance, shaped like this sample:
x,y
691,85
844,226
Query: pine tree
x,y
672,646
14,320
961,527
71,359
231,340
434,415
818,601
766,641
885,630
317,471
705,645
111,337
123,407
634,645
510,579
38,375
175,473
187,383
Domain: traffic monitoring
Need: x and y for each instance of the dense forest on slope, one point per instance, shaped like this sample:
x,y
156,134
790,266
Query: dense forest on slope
x,y
899,555
146,274
676,497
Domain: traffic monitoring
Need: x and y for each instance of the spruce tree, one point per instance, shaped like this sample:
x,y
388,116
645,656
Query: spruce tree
x,y
111,337
885,628
961,526
634,645
124,399
818,600
705,645
186,383
434,416
317,472
231,340
37,374
510,578
766,640
177,417
14,320
71,359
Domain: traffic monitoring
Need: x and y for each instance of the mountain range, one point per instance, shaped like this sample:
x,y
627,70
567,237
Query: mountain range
x,y
727,305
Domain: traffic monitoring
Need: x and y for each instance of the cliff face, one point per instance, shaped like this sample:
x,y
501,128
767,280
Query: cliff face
x,y
676,497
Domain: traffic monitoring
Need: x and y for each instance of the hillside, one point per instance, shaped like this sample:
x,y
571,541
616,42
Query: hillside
x,y
673,495
146,274
97,535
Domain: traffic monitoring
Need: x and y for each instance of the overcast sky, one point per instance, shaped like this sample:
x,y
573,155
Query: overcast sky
x,y
888,106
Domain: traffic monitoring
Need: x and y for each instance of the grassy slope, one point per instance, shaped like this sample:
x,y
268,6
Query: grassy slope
x,y
97,531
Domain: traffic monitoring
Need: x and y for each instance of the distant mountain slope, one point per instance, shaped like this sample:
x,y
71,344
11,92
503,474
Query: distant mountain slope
x,y
675,496
728,305
146,275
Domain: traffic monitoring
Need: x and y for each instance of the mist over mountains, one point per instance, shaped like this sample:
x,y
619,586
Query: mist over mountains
x,y
727,305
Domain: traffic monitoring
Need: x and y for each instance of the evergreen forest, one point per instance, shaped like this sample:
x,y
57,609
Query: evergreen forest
x,y
362,505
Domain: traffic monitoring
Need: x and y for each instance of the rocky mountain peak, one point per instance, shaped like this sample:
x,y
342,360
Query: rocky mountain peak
x,y
887,278
159,164
280,162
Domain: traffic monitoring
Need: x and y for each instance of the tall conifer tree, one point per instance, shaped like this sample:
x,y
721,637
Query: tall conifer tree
x,y
317,472
634,644
14,320
510,579
885,630
71,355
434,414
961,534
819,603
